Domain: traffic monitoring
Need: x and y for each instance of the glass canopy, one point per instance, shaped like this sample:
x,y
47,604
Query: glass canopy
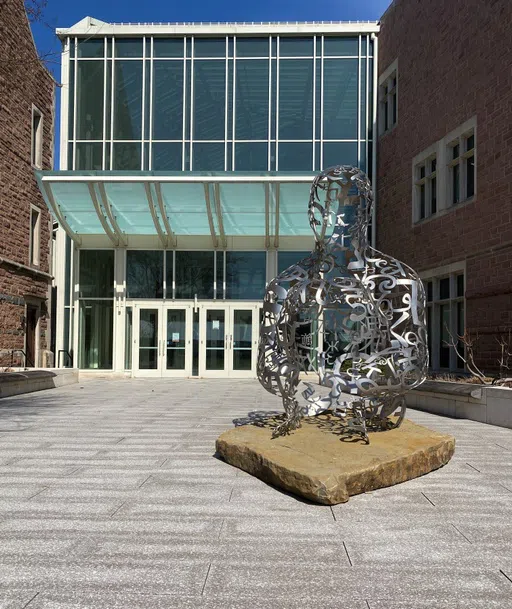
x,y
170,204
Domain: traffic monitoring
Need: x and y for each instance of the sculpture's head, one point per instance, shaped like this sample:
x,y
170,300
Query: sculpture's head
x,y
340,206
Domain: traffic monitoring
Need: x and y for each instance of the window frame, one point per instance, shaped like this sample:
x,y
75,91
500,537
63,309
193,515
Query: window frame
x,y
36,145
34,250
461,161
442,152
434,277
388,99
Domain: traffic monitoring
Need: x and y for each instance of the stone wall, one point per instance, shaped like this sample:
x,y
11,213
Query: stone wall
x,y
454,62
24,82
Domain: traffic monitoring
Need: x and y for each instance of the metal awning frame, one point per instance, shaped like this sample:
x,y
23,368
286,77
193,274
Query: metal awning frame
x,y
152,187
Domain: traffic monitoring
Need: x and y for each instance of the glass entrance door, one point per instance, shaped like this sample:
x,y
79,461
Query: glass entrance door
x,y
242,354
162,340
213,342
228,341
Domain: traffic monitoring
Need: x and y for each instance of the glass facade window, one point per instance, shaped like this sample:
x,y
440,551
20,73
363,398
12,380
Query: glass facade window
x,y
245,275
96,276
144,274
194,274
89,100
127,100
96,334
287,259
193,103
167,100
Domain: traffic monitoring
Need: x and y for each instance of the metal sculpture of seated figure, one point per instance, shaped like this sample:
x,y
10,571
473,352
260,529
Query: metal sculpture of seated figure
x,y
350,314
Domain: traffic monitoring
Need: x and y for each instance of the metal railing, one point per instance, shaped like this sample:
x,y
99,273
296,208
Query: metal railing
x,y
27,363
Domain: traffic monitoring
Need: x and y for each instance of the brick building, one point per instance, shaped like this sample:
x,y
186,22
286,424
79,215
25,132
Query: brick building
x,y
26,142
445,162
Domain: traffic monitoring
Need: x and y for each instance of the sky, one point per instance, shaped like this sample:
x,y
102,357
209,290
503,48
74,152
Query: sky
x,y
65,13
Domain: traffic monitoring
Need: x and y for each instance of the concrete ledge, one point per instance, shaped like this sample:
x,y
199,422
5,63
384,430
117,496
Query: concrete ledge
x,y
482,403
16,383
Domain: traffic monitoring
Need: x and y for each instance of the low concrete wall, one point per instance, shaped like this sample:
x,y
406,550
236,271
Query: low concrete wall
x,y
15,383
483,403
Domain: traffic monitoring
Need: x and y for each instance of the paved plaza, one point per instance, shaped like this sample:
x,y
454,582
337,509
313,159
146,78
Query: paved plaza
x,y
111,497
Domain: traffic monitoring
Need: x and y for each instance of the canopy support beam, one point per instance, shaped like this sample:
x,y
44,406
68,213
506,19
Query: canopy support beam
x,y
61,219
113,222
163,237
110,233
163,215
216,193
210,215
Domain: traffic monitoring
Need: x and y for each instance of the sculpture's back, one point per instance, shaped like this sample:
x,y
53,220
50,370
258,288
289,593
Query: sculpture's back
x,y
354,316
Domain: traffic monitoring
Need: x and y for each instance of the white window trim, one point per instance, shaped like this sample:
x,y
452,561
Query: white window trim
x,y
35,238
36,142
435,275
440,150
390,72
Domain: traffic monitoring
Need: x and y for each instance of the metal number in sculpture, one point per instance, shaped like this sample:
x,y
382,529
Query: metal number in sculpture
x,y
350,314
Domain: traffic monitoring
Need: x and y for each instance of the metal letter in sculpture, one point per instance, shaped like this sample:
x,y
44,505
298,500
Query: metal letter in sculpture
x,y
348,313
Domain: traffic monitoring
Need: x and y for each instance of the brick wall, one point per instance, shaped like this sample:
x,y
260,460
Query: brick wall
x,y
454,62
24,81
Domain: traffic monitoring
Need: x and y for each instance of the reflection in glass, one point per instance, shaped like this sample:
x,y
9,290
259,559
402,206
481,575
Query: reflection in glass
x,y
194,274
295,47
251,100
90,48
89,156
340,99
167,156
128,47
208,157
167,100
340,153
89,100
251,156
96,274
148,339
215,339
128,100
209,47
96,334
245,275
127,156
342,46
287,259
296,99
175,350
295,156
144,274
168,47
209,100
252,47
242,340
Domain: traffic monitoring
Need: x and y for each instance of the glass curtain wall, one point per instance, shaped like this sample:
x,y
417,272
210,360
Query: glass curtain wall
x,y
96,309
189,274
229,103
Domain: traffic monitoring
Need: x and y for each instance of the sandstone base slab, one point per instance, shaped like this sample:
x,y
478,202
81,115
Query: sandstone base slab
x,y
319,465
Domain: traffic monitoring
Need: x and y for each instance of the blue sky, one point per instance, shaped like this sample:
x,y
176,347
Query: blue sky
x,y
63,13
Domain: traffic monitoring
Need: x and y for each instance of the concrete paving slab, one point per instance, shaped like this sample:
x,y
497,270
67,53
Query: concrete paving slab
x,y
110,497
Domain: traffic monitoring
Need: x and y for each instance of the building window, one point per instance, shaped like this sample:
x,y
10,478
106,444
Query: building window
x,y
444,174
445,320
388,100
461,168
35,230
37,138
426,188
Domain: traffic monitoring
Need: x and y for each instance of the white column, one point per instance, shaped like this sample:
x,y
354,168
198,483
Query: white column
x,y
119,310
